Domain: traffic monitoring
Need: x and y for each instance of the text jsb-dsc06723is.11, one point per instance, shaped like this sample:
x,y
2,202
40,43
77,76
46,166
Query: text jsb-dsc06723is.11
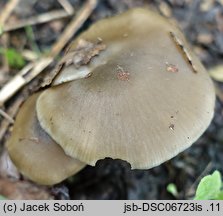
x,y
170,206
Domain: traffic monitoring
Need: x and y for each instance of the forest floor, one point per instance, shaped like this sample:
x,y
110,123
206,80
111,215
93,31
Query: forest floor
x,y
202,24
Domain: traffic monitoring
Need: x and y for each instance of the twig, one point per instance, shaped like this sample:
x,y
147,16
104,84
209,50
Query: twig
x,y
15,83
12,112
33,69
67,6
42,18
4,40
6,12
6,116
29,72
32,40
29,55
74,25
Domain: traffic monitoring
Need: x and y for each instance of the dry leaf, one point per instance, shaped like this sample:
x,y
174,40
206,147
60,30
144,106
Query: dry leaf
x,y
80,56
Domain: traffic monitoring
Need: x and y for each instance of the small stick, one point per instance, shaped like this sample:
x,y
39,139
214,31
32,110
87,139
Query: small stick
x,y
29,55
4,40
67,6
6,116
23,77
12,112
6,12
180,44
15,83
42,18
74,25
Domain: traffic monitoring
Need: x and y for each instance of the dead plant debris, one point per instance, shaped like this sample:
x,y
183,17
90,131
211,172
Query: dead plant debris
x,y
122,74
83,53
171,68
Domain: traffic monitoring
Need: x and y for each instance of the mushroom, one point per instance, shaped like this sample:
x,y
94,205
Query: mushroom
x,y
147,99
34,153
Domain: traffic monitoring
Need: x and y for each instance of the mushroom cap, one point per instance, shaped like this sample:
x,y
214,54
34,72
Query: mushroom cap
x,y
35,154
148,100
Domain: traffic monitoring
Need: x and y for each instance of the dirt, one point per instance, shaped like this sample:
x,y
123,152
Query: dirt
x,y
202,23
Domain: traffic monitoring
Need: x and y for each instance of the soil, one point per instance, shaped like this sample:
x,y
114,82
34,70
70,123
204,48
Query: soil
x,y
202,23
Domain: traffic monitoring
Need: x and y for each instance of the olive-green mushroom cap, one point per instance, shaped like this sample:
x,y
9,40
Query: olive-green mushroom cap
x,y
149,98
34,153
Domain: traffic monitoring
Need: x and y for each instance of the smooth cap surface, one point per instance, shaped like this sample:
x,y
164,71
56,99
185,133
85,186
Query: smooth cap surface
x,y
149,98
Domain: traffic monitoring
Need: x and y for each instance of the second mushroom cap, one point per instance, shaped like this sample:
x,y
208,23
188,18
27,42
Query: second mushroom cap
x,y
35,154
